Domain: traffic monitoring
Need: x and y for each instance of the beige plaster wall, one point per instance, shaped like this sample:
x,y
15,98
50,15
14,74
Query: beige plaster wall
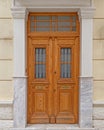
x,y
98,50
6,51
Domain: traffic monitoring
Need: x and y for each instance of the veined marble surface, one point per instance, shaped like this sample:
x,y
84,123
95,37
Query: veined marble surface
x,y
86,104
20,102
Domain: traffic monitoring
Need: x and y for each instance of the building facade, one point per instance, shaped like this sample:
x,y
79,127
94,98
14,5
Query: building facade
x,y
18,99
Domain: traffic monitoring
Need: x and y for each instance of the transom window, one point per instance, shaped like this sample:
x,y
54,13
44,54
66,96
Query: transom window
x,y
53,23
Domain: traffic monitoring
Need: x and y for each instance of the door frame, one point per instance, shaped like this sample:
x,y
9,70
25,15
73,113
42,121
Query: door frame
x,y
20,13
51,37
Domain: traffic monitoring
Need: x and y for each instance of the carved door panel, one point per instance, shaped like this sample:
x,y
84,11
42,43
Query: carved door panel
x,y
39,80
66,65
53,80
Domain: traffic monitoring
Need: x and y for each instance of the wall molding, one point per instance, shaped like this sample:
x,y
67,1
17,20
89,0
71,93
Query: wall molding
x,y
9,102
98,104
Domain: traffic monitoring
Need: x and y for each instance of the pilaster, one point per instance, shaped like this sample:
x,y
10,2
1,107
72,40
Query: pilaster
x,y
20,79
86,80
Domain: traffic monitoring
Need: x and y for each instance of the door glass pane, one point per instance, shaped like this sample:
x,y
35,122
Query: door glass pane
x,y
64,18
64,24
40,63
53,23
65,65
64,29
42,24
42,29
42,17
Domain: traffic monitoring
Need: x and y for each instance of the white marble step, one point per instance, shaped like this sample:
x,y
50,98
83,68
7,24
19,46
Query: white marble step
x,y
52,127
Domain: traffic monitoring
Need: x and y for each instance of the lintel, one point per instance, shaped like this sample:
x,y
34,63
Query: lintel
x,y
49,3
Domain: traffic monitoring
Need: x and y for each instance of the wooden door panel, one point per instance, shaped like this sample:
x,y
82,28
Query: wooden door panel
x,y
65,105
66,86
65,97
53,98
39,89
40,106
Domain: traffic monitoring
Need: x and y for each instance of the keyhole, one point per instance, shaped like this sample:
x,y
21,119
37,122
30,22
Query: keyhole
x,y
55,72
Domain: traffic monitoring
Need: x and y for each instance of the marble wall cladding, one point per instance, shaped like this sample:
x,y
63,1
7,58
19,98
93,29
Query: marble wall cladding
x,y
85,103
98,115
6,124
99,124
20,101
6,111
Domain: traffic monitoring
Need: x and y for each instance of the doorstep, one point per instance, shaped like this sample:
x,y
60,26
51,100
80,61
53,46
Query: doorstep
x,y
52,127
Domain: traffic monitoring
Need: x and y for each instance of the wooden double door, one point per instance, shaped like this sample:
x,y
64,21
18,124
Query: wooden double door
x,y
53,70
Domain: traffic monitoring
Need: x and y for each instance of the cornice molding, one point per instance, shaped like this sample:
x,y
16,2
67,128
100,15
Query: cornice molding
x,y
19,13
84,8
86,13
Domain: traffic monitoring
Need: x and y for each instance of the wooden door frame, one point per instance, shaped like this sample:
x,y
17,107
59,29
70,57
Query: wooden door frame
x,y
63,35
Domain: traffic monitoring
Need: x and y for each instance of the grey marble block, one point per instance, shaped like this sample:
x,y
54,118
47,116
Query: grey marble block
x,y
20,102
86,104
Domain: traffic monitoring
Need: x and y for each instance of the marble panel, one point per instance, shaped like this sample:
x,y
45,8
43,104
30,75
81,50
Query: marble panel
x,y
6,110
98,124
4,124
20,102
98,113
85,113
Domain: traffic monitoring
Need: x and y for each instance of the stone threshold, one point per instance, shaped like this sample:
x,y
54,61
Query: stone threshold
x,y
53,127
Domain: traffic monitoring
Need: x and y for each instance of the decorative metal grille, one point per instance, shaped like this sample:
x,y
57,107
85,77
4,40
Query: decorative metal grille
x,y
40,63
65,63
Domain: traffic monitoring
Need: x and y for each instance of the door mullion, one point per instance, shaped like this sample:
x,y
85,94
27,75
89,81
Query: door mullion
x,y
55,74
51,96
